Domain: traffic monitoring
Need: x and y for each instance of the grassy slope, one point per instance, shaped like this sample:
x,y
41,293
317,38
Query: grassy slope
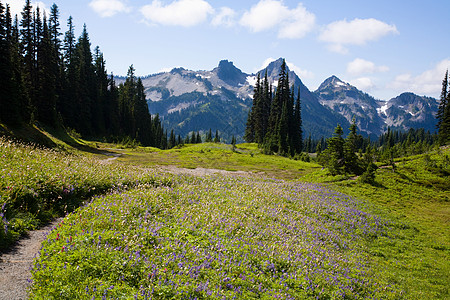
x,y
414,197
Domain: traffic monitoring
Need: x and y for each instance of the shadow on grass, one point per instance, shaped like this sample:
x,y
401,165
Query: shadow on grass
x,y
41,135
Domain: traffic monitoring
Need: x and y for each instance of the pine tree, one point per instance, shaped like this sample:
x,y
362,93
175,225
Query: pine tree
x,y
217,137
282,96
198,139
209,136
297,126
172,140
250,129
351,162
442,116
47,74
336,151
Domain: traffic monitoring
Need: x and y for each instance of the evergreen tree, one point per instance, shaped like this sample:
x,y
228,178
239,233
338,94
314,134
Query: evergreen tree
x,y
336,161
282,96
209,136
350,149
443,118
172,140
297,132
250,129
217,137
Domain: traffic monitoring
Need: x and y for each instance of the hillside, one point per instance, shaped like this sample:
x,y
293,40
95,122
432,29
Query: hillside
x,y
373,117
153,233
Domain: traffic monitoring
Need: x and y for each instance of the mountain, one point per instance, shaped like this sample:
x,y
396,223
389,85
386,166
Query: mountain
x,y
410,111
317,120
220,99
350,103
373,116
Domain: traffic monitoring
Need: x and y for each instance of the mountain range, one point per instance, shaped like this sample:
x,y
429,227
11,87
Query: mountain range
x,y
221,98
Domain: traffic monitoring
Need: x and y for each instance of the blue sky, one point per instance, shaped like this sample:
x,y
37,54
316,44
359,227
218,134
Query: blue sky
x,y
382,47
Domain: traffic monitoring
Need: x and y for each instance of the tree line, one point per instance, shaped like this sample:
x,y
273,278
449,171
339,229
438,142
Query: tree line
x,y
274,120
54,79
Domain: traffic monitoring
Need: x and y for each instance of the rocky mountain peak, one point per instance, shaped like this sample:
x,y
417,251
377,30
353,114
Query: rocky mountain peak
x,y
228,73
333,83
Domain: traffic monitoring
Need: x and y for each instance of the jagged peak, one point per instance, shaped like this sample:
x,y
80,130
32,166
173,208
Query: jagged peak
x,y
332,82
229,73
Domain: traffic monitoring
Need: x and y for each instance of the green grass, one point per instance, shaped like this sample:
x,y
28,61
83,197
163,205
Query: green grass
x,y
417,198
246,157
214,238
408,259
38,184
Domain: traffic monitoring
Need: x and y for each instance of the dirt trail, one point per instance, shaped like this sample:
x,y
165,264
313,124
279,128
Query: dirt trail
x,y
202,171
15,264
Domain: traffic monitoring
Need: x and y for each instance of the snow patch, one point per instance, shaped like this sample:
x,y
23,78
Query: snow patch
x,y
251,80
382,110
339,83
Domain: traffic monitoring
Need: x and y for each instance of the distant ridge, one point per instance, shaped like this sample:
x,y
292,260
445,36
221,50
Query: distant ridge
x,y
221,98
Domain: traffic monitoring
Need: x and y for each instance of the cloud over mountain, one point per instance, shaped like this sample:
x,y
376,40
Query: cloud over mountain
x,y
185,13
270,14
339,34
108,8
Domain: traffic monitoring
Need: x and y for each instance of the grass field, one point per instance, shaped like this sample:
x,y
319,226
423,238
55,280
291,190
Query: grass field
x,y
287,229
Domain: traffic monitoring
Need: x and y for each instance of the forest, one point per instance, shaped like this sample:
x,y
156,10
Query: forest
x,y
55,80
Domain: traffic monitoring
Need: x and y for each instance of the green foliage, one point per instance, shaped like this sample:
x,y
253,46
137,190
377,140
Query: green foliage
x,y
369,175
67,86
276,125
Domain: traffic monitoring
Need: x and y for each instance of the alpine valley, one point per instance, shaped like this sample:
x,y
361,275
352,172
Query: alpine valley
x,y
220,100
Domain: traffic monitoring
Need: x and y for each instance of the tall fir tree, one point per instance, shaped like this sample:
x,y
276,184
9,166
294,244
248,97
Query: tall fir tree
x,y
443,114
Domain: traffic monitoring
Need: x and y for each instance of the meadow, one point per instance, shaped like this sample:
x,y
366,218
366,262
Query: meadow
x,y
38,184
286,230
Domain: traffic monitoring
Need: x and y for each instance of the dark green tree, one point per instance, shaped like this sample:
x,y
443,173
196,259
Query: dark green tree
x,y
209,136
336,161
217,137
442,116
351,161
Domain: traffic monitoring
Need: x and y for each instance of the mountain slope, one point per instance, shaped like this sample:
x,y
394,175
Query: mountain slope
x,y
221,98
374,116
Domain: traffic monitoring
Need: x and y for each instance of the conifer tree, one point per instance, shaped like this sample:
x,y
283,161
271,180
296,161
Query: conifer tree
x,y
442,116
297,132
217,137
172,140
350,148
336,151
209,136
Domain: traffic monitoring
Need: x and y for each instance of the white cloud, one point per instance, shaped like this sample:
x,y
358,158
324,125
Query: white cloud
x,y
428,83
303,74
225,17
357,32
16,6
184,13
269,14
265,63
362,66
108,8
363,83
